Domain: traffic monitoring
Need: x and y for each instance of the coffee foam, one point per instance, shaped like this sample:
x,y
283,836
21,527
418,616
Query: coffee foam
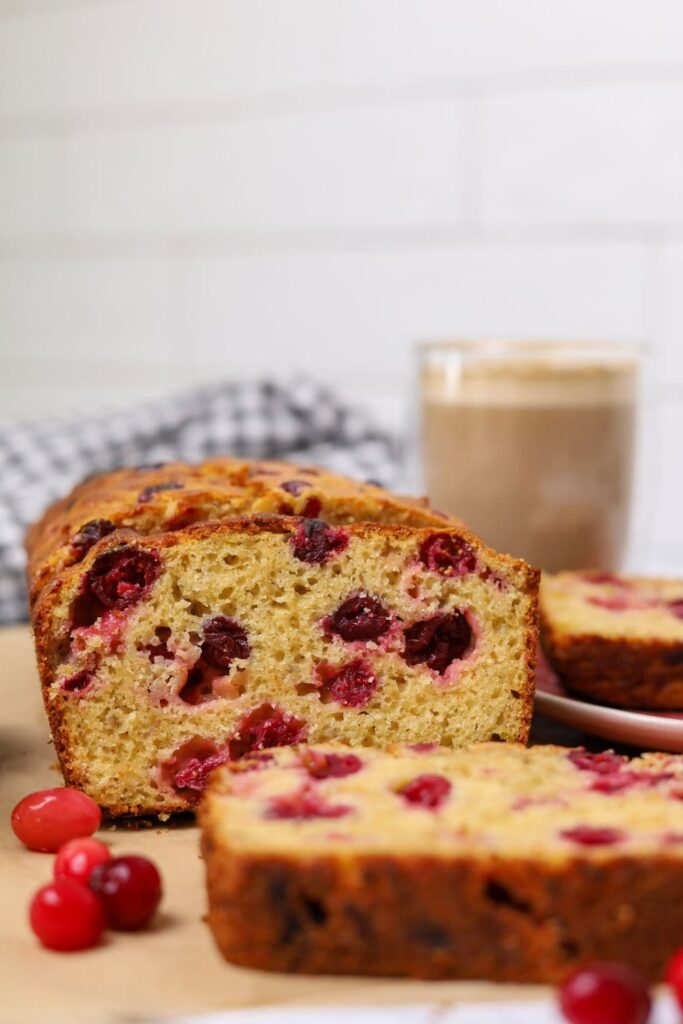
x,y
530,382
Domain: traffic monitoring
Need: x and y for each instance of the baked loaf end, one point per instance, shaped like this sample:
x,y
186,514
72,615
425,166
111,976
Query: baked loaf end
x,y
164,656
171,496
616,639
493,862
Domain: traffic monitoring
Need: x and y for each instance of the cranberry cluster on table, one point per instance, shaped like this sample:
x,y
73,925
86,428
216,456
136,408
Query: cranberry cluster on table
x,y
91,890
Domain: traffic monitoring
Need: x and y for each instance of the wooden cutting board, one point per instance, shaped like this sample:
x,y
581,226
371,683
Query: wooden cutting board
x,y
173,968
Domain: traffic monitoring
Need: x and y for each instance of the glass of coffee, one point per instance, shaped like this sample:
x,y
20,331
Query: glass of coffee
x,y
532,445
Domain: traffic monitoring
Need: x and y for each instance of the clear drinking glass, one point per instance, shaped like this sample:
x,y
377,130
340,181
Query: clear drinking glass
x,y
532,444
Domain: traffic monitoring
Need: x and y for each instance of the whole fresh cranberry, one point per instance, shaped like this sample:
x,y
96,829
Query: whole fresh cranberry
x,y
359,617
674,975
430,791
447,554
130,891
77,858
438,641
47,819
605,993
89,534
119,578
66,916
224,640
315,541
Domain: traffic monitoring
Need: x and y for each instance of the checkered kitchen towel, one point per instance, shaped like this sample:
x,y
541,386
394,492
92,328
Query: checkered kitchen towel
x,y
40,461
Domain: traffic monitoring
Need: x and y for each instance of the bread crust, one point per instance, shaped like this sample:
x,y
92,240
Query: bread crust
x,y
175,495
626,672
431,917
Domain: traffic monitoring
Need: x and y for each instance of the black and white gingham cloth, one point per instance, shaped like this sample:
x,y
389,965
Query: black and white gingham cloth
x,y
41,461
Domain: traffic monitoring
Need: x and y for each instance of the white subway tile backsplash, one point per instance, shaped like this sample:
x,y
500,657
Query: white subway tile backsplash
x,y
384,166
354,316
611,155
73,58
666,504
85,310
32,186
671,317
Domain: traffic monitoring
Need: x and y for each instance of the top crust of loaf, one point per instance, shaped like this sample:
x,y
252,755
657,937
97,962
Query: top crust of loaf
x,y
175,495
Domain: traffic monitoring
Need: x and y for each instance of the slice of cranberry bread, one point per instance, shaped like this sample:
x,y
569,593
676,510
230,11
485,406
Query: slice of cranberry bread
x,y
164,656
617,639
492,862
153,499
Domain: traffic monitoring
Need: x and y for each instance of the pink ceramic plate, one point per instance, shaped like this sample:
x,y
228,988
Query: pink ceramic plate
x,y
653,730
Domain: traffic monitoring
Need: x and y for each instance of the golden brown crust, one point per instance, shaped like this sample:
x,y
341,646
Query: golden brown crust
x,y
437,917
175,495
628,672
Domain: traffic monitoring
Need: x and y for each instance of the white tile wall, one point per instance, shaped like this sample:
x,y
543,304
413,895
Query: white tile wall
x,y
593,155
189,189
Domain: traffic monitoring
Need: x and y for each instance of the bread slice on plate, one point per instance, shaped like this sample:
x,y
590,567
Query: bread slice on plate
x,y
495,862
616,639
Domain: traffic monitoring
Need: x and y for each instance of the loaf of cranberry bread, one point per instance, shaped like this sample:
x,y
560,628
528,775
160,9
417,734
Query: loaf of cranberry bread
x,y
170,496
616,639
164,656
495,862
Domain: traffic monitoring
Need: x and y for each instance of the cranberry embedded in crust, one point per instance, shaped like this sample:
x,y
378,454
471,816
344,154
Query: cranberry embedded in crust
x,y
593,835
89,534
438,641
119,578
266,726
294,487
76,685
312,508
430,791
599,578
359,617
605,763
330,765
315,541
351,686
224,640
303,805
626,780
188,768
148,493
676,608
448,555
